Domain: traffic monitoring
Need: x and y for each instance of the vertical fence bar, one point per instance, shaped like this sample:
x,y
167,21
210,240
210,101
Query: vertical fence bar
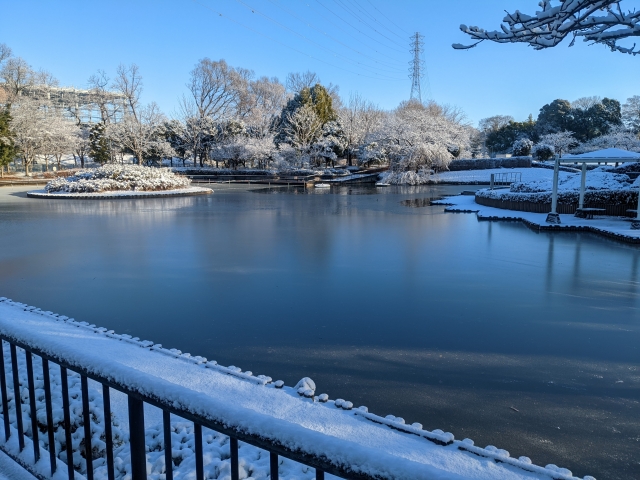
x,y
136,439
273,464
49,409
32,405
67,420
86,419
319,474
168,460
5,402
17,401
108,438
197,434
233,447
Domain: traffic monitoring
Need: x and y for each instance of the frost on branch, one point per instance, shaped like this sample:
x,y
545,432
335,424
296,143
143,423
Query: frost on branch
x,y
597,21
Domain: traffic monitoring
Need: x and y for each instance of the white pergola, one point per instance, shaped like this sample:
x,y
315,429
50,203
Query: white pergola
x,y
600,157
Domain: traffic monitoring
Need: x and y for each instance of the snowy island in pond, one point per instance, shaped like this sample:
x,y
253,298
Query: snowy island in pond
x,y
112,181
296,417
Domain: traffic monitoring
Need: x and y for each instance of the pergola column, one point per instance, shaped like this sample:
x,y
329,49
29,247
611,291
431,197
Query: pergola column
x,y
553,216
583,183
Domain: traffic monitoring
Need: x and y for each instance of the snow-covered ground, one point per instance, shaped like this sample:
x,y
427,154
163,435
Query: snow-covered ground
x,y
294,416
121,194
466,203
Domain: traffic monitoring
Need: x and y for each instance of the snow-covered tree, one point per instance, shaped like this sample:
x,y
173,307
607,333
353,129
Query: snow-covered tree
x,y
140,134
543,151
302,128
58,136
81,145
267,98
618,138
561,142
522,147
631,113
28,124
17,75
99,143
596,21
585,103
417,138
217,92
7,142
358,119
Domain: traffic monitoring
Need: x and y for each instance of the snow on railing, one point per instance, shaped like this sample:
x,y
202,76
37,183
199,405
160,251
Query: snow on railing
x,y
306,389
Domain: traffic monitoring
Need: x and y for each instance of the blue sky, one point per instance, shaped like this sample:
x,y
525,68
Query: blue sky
x,y
361,45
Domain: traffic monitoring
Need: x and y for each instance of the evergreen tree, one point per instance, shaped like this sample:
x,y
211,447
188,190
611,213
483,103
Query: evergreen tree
x,y
98,144
555,117
7,147
316,97
502,139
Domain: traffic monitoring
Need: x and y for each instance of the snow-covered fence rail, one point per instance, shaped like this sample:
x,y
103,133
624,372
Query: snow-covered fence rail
x,y
505,178
69,388
20,352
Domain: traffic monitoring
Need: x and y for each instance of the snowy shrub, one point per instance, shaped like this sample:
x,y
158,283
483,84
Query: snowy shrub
x,y
631,167
542,151
410,177
594,181
568,197
118,178
522,147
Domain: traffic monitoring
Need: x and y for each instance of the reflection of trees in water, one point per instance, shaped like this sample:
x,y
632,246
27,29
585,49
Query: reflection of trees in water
x,y
418,202
151,206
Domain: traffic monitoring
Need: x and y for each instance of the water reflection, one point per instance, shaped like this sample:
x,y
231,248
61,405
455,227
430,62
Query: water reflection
x,y
436,317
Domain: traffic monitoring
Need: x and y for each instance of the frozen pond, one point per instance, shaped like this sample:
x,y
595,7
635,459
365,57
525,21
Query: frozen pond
x,y
526,341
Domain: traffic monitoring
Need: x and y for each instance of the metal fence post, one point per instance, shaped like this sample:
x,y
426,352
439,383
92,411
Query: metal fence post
x,y
136,439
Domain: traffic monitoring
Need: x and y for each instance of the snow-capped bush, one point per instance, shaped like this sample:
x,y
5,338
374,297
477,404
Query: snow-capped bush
x,y
594,181
568,197
119,178
411,177
542,151
522,147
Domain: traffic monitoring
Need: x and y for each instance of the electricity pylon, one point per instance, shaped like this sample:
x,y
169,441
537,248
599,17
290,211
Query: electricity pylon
x,y
416,70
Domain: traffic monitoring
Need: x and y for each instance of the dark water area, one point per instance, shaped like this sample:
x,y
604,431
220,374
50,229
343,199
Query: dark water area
x,y
526,341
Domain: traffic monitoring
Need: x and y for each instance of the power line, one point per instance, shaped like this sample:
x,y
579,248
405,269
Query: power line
x,y
357,29
390,21
364,11
288,46
362,65
366,23
332,37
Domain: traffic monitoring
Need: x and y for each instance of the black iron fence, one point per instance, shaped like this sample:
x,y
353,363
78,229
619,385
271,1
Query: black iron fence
x,y
135,401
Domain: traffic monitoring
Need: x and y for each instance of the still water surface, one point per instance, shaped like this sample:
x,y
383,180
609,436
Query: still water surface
x,y
526,341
